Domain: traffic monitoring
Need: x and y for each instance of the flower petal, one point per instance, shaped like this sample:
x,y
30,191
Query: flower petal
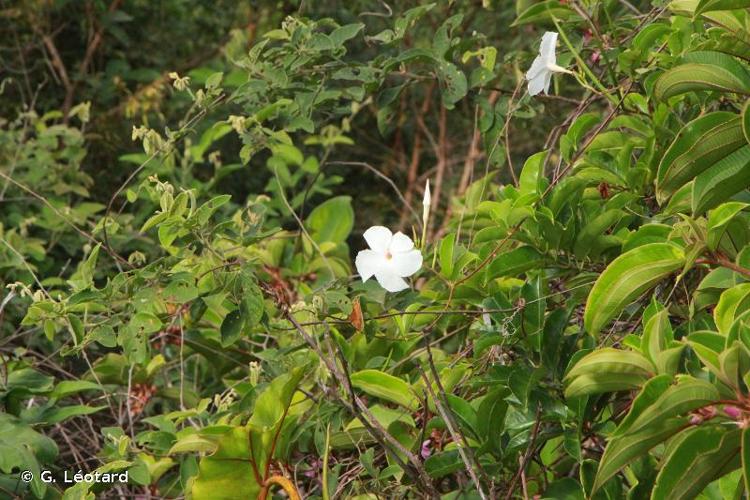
x,y
547,48
547,80
537,67
368,263
391,282
378,238
400,243
406,263
539,83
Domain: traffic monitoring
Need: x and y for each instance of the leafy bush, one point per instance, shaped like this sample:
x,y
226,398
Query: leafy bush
x,y
578,327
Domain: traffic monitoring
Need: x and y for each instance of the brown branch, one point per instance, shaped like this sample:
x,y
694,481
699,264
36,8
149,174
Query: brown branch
x,y
416,154
91,49
464,450
527,454
414,469
442,162
723,262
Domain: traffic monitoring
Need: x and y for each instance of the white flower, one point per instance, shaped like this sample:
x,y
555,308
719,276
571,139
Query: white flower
x,y
427,200
391,258
426,203
540,73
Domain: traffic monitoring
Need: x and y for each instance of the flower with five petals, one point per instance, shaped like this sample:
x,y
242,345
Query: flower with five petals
x,y
390,258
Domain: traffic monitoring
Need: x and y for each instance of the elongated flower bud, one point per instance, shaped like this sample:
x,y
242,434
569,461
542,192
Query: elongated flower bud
x,y
426,203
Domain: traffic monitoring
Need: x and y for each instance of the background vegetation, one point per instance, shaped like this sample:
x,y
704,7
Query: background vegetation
x,y
184,186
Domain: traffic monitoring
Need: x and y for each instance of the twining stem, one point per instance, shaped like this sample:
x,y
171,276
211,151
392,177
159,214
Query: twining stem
x,y
581,62
282,482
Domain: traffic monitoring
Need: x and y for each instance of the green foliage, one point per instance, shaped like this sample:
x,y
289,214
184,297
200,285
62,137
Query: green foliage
x,y
189,312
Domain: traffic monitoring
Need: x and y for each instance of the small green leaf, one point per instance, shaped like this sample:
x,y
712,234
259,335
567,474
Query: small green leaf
x,y
231,328
718,220
515,262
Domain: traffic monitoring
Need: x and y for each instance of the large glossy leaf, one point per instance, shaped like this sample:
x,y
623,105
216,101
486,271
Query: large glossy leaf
x,y
385,386
608,370
703,455
626,278
722,180
712,5
228,473
732,303
703,71
652,420
699,144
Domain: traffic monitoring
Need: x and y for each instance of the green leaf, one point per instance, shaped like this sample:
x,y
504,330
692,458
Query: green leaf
x,y
385,386
452,83
272,404
193,442
332,220
532,174
594,229
56,415
722,180
607,370
491,418
345,33
626,278
68,387
718,220
698,145
145,322
445,255
732,303
231,327
544,11
704,454
746,121
444,463
703,71
648,425
657,334
252,305
712,5
227,474
515,262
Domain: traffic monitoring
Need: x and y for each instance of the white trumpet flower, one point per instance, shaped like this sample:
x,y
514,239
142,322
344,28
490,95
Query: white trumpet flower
x,y
545,64
390,258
